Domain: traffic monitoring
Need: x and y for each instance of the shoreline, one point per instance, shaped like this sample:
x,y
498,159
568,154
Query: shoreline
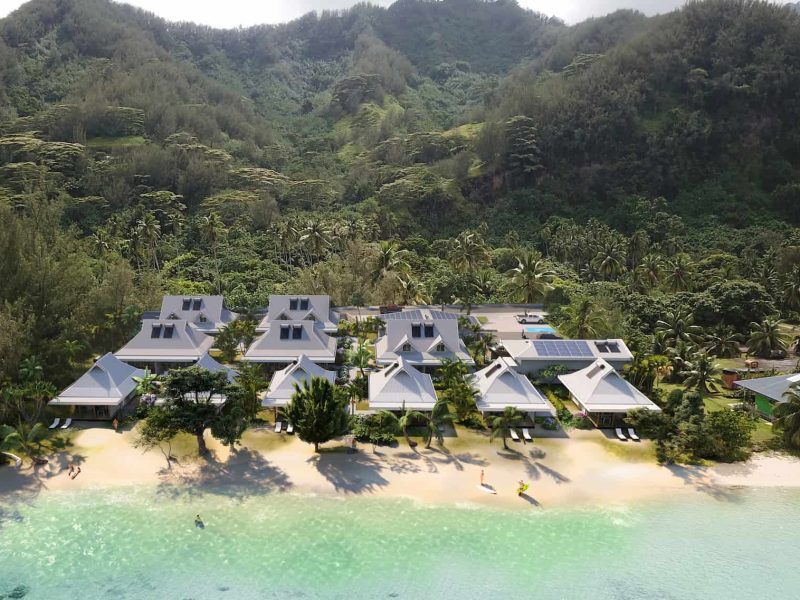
x,y
584,469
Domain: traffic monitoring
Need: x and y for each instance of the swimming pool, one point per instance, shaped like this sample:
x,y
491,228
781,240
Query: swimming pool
x,y
539,329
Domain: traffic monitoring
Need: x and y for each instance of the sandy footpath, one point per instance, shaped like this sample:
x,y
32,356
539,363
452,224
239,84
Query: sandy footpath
x,y
584,468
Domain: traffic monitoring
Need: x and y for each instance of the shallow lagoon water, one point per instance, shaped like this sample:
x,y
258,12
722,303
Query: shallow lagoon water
x,y
139,544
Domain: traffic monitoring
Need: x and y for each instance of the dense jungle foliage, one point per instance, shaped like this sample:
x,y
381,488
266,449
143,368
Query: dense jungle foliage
x,y
639,175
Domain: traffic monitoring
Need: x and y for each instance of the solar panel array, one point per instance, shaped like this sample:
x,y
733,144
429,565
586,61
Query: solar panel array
x,y
563,348
444,316
409,315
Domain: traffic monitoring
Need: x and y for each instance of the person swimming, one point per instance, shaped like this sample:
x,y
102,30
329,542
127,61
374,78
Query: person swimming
x,y
198,522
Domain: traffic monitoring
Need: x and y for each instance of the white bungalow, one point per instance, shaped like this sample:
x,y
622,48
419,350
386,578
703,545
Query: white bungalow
x,y
162,343
533,356
282,385
207,313
499,385
208,363
401,385
102,391
287,341
300,308
603,394
421,337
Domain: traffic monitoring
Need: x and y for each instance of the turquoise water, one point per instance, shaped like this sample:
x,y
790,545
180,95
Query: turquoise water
x,y
129,545
539,329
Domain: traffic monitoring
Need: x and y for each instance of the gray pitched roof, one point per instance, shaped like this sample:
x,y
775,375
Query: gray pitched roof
x,y
166,341
422,332
599,388
399,385
499,385
208,363
281,388
107,383
208,313
300,307
771,387
279,344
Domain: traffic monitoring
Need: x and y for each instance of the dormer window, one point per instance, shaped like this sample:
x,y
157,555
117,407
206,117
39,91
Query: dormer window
x,y
169,330
428,330
303,303
202,318
311,318
156,331
293,302
187,304
297,332
285,329
197,303
416,330
406,348
440,347
173,317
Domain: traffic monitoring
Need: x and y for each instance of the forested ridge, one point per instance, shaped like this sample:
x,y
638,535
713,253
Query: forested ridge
x,y
626,170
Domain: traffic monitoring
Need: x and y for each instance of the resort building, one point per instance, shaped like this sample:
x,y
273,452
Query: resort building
x,y
301,308
287,341
207,313
603,394
163,343
533,356
499,385
768,391
282,385
102,391
422,337
401,385
208,363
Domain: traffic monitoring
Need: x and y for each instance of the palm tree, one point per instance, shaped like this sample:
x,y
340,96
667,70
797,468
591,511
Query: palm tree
x,y
483,283
211,230
30,369
433,423
584,319
678,326
650,270
149,231
389,261
404,421
360,357
791,288
73,348
766,338
679,272
638,244
467,252
479,347
502,424
316,239
702,374
609,261
724,343
532,277
146,384
787,416
25,438
9,441
412,291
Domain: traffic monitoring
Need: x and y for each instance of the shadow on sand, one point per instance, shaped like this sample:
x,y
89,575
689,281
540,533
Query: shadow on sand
x,y
245,473
355,473
25,484
699,479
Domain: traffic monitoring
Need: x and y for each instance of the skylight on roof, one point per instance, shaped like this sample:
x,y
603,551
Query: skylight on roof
x,y
169,330
156,331
293,302
285,332
428,330
197,303
187,303
303,303
392,368
297,332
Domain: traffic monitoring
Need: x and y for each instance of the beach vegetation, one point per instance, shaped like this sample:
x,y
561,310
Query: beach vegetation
x,y
787,416
317,413
503,423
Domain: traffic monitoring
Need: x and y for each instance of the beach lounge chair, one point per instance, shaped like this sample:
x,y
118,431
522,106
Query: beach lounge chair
x,y
513,434
278,426
632,435
621,436
54,424
67,424
526,434
290,428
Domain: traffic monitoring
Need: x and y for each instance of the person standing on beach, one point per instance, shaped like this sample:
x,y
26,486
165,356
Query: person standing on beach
x,y
71,469
481,477
115,423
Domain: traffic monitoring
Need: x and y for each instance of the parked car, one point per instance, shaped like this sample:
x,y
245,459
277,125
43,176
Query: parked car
x,y
530,319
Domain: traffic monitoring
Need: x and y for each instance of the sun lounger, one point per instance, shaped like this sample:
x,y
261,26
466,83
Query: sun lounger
x,y
632,434
66,424
513,435
526,434
278,426
54,424
290,428
621,436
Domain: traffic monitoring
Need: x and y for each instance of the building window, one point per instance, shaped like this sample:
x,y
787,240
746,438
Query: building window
x,y
428,330
187,303
168,331
156,331
304,304
293,304
406,347
197,303
416,328
440,347
297,332
284,332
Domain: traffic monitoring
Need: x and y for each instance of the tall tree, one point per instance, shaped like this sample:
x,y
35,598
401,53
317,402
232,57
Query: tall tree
x,y
317,414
